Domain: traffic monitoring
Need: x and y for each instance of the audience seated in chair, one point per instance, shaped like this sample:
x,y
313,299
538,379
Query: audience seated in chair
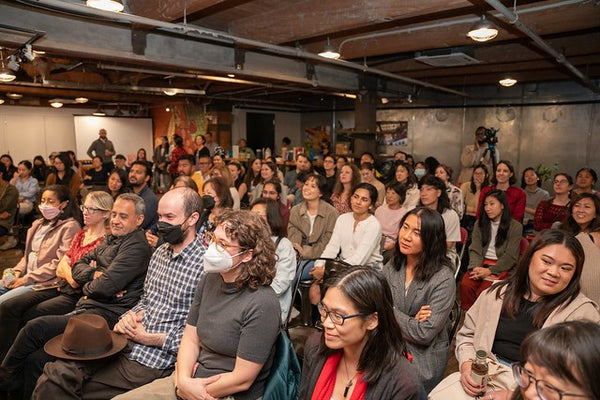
x,y
62,294
494,248
356,236
285,268
584,222
421,277
48,240
228,340
156,323
543,291
9,200
27,186
360,353
559,361
111,277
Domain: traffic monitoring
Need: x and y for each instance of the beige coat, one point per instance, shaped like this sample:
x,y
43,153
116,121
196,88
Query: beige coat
x,y
299,228
481,322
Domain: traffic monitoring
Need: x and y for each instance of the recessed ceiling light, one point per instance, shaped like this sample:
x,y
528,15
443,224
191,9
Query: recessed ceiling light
x,y
231,75
56,103
14,96
81,100
385,100
106,5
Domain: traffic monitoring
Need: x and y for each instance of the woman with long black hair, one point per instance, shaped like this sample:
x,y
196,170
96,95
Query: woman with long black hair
x,y
422,281
494,249
359,354
543,291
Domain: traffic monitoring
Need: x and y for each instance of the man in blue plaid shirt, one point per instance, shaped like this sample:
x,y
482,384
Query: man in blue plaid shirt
x,y
155,325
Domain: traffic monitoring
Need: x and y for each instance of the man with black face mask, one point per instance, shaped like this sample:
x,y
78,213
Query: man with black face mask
x,y
155,325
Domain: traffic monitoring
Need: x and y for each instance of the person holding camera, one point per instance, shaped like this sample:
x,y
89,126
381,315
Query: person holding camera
x,y
478,153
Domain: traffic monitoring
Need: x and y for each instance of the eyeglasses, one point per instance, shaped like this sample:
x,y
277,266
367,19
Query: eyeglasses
x,y
91,210
561,182
336,317
220,245
543,389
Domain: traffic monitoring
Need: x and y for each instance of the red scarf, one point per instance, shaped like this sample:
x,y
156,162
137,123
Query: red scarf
x,y
326,382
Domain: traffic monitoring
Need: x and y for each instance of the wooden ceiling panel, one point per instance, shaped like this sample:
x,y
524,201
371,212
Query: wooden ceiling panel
x,y
563,19
295,21
166,10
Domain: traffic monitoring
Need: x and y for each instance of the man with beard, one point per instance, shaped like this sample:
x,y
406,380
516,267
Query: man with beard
x,y
139,179
111,278
155,325
473,155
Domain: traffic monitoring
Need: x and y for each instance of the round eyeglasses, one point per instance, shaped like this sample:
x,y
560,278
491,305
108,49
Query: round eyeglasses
x,y
543,389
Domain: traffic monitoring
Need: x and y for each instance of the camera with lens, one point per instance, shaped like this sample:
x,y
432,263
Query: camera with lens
x,y
490,137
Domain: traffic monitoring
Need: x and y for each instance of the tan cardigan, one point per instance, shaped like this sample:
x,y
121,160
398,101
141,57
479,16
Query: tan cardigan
x,y
299,228
55,244
481,322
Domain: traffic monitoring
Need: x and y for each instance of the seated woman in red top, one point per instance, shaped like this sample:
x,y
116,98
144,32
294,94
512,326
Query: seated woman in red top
x,y
359,353
555,209
504,179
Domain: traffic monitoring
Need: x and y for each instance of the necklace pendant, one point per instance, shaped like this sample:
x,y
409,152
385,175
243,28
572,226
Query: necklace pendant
x,y
348,386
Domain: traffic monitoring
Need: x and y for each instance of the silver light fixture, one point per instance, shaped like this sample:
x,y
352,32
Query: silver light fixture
x,y
329,51
483,30
106,5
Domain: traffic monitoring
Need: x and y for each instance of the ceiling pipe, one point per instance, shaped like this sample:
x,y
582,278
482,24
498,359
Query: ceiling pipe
x,y
204,33
208,78
542,44
445,24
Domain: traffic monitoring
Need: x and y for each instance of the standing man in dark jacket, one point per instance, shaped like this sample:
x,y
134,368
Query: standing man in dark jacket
x,y
103,148
111,277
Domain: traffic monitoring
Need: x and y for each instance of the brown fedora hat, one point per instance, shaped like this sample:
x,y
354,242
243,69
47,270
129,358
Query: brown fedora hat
x,y
86,337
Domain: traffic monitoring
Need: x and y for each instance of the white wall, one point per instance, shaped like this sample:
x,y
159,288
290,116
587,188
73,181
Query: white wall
x,y
28,131
127,134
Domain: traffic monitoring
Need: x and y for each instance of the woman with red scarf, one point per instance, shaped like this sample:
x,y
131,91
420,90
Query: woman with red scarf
x,y
360,353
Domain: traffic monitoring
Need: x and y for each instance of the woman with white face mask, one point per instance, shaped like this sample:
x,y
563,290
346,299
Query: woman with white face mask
x,y
234,318
48,240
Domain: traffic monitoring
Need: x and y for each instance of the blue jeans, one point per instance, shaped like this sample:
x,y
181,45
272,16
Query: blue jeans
x,y
6,293
306,266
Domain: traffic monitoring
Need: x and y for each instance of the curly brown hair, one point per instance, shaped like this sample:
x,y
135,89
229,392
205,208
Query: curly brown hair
x,y
252,233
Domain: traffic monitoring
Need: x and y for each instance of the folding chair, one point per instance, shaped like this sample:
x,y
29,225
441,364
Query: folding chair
x,y
464,237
